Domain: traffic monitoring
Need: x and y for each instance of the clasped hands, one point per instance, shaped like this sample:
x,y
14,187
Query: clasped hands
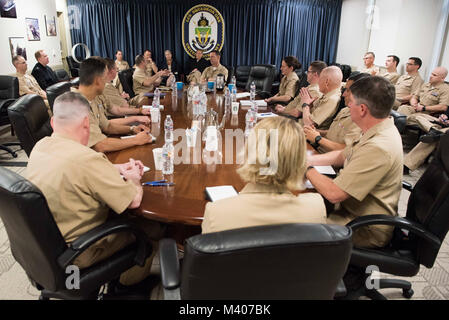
x,y
311,133
132,170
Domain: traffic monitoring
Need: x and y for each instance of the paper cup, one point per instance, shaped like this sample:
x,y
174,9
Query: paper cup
x,y
210,85
235,108
157,154
155,114
179,85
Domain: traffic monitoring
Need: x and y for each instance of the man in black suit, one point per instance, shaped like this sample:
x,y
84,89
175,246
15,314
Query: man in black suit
x,y
44,75
197,64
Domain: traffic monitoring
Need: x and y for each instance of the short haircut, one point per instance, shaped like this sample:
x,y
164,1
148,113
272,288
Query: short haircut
x,y
371,53
216,52
118,51
417,61
70,108
148,50
15,59
110,64
377,93
318,66
291,61
357,76
90,69
289,162
38,54
139,59
395,59
333,74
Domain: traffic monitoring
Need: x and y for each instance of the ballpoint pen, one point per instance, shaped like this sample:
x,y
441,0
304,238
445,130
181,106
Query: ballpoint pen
x,y
158,183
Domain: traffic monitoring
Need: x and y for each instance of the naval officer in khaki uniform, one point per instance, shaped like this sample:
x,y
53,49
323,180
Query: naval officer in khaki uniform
x,y
93,75
391,74
409,83
369,66
143,82
370,181
81,186
267,198
432,99
342,130
216,68
151,65
319,112
121,66
294,108
27,83
289,82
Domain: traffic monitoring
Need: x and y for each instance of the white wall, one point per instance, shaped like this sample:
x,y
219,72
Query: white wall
x,y
61,6
402,27
16,28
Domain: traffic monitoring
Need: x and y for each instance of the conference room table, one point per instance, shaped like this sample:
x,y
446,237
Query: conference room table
x,y
181,206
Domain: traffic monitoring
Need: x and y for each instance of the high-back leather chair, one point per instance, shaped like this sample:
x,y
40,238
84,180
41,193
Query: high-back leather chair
x,y
426,221
126,79
75,82
288,261
30,119
73,66
62,75
38,246
9,93
56,90
262,75
241,76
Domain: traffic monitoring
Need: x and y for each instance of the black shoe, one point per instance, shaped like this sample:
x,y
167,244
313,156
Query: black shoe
x,y
139,291
433,136
406,170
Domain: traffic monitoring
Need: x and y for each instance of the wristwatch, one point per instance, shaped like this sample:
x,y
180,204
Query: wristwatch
x,y
305,105
316,144
131,129
423,108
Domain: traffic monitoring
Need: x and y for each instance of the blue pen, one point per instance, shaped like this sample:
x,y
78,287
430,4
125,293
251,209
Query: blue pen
x,y
154,182
161,184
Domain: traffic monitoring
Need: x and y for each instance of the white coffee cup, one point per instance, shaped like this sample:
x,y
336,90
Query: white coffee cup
x,y
235,108
155,114
157,154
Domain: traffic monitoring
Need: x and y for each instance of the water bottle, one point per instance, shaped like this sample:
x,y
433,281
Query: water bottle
x,y
234,94
168,126
249,122
156,98
227,99
168,158
173,84
252,91
203,102
233,81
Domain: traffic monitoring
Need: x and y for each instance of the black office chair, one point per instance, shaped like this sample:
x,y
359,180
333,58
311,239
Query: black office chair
x,y
73,66
75,82
276,81
400,120
426,222
242,75
126,79
9,93
302,82
346,70
262,75
289,261
56,90
38,246
62,75
30,120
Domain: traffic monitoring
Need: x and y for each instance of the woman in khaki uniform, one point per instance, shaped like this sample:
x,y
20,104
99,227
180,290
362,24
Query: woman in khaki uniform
x,y
289,82
267,198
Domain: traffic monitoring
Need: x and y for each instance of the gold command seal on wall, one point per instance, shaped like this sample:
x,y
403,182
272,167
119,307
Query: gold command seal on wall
x,y
202,29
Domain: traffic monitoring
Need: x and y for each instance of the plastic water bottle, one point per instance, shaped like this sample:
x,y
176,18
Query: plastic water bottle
x,y
249,122
156,98
168,158
168,126
233,80
234,94
173,84
227,99
252,91
203,102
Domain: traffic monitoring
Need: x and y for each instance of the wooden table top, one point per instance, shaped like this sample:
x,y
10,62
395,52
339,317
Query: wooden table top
x,y
185,202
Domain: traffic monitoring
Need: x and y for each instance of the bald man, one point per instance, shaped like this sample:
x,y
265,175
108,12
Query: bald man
x,y
319,112
430,101
81,186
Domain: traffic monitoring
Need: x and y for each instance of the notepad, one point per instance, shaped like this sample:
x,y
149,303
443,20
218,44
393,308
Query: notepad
x,y
261,104
266,115
327,170
242,95
132,136
161,107
220,192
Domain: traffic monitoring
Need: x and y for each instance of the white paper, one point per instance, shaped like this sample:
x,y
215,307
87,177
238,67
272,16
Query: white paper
x,y
132,136
325,169
309,185
266,115
242,95
161,107
221,192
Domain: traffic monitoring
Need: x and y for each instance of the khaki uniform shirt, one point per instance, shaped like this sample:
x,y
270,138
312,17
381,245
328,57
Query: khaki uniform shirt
x,y
288,85
342,130
430,95
408,85
212,72
139,77
122,65
372,173
28,84
79,184
393,77
149,68
98,122
113,95
325,108
314,91
370,70
259,205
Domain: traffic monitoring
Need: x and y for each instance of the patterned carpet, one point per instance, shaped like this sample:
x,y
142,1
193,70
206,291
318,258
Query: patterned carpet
x,y
429,284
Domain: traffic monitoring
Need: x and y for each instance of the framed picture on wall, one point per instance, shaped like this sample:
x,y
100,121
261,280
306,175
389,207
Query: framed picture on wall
x,y
50,25
8,9
17,47
33,32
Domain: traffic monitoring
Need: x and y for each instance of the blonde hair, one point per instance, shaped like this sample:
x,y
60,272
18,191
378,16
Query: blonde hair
x,y
289,162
